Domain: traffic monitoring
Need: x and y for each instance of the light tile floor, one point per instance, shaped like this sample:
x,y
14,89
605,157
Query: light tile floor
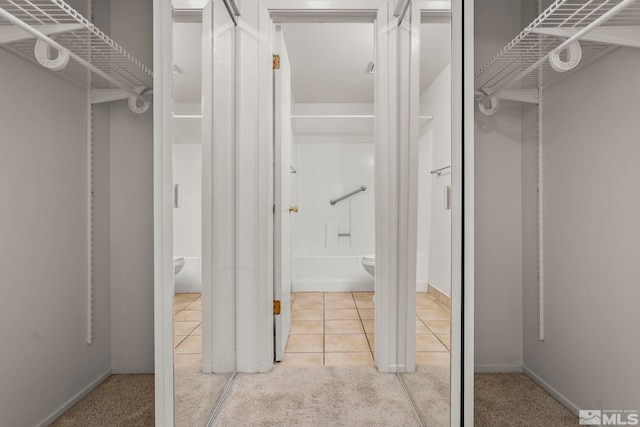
x,y
336,328
330,328
187,327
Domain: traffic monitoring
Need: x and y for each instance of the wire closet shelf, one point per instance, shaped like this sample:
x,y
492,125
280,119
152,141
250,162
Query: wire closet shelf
x,y
58,37
567,35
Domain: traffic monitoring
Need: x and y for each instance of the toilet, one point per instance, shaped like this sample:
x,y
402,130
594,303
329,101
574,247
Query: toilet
x,y
369,264
178,263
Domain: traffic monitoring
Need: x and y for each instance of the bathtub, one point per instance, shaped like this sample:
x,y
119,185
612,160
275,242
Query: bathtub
x,y
189,279
337,273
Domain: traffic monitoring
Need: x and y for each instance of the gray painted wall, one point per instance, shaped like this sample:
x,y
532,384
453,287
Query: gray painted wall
x,y
44,357
498,241
132,205
591,235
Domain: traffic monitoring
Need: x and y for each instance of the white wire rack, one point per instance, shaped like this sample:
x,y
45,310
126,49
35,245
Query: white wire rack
x,y
595,26
95,60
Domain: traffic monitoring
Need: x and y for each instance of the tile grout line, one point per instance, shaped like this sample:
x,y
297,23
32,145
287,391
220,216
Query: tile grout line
x,y
363,329
362,324
324,330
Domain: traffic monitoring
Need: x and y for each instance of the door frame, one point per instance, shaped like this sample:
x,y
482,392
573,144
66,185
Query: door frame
x,y
163,210
462,49
385,130
282,212
163,136
462,155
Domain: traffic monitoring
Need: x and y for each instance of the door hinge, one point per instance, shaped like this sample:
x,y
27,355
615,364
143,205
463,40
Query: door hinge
x,y
276,307
276,62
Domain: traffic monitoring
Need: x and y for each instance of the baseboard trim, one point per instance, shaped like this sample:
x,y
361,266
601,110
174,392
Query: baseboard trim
x,y
439,295
498,369
551,390
75,399
330,286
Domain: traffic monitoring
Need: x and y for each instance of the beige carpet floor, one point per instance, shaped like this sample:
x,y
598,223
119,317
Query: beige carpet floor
x,y
323,396
121,400
196,395
429,390
515,400
319,396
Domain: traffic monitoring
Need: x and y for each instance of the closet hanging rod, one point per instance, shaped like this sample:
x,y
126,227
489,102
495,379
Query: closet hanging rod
x,y
28,28
439,171
357,190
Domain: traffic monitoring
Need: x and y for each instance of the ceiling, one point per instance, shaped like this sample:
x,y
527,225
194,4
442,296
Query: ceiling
x,y
187,56
329,62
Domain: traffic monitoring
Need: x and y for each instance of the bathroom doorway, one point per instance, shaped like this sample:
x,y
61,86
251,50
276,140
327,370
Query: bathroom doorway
x,y
187,195
324,186
253,186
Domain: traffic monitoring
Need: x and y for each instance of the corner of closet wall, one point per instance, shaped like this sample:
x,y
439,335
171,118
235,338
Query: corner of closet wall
x,y
498,212
101,123
45,358
131,204
530,134
590,234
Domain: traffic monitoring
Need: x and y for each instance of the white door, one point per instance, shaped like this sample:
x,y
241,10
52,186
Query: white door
x,y
282,194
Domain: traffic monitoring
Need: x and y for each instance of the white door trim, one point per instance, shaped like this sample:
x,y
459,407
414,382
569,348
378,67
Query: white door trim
x,y
461,407
282,193
386,170
218,188
463,22
163,211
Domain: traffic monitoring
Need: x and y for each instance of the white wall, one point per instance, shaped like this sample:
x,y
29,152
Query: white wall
x,y
187,172
424,209
498,242
591,238
187,219
323,260
436,102
44,358
332,157
132,205
327,171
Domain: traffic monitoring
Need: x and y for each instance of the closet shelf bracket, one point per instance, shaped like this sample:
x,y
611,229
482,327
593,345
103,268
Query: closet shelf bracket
x,y
617,36
529,96
99,96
